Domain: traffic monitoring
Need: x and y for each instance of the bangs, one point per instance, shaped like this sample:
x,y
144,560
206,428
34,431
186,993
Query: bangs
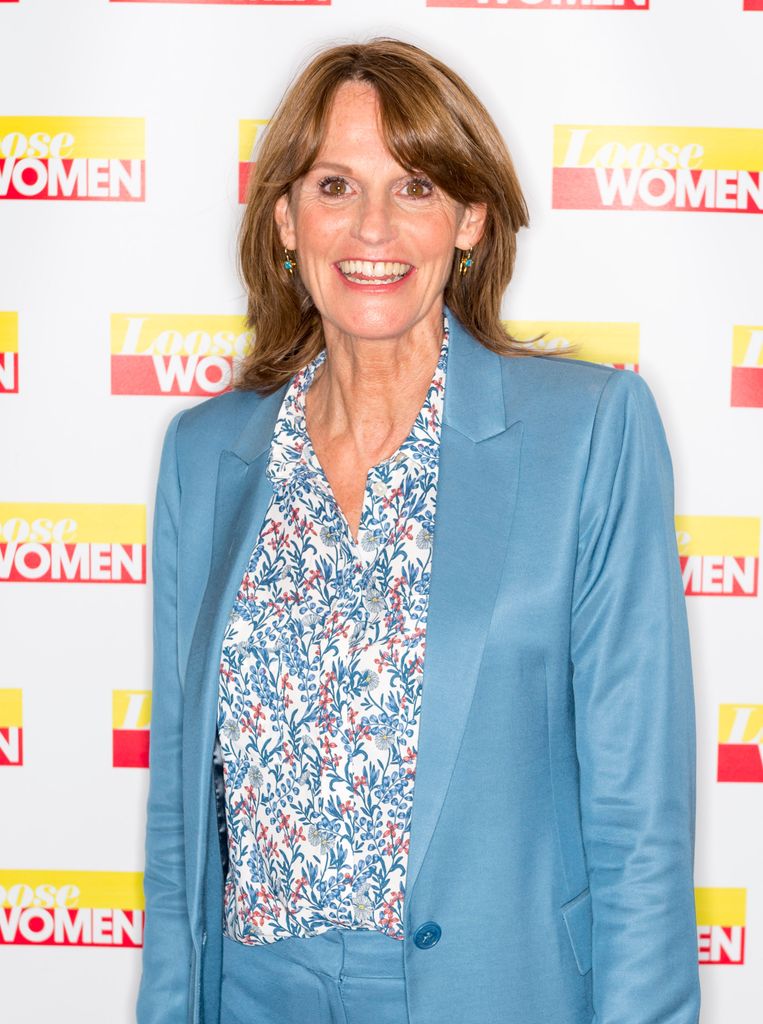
x,y
422,126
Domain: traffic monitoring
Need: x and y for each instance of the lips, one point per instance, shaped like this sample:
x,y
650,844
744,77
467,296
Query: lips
x,y
367,272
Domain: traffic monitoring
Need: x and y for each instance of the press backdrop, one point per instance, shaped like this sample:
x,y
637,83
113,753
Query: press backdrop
x,y
126,129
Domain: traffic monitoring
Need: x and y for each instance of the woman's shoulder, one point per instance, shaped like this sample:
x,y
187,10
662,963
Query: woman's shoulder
x,y
561,400
221,415
562,373
199,433
541,382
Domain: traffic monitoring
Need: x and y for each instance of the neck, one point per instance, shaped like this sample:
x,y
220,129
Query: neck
x,y
367,392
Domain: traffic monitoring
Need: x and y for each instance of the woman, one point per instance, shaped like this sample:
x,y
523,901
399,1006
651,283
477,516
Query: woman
x,y
340,828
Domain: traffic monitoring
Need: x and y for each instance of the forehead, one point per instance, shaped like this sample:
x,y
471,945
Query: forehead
x,y
352,132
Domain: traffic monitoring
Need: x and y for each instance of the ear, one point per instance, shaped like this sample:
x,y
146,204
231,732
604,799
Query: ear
x,y
471,226
285,222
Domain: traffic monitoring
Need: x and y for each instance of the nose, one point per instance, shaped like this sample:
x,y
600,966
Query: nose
x,y
375,222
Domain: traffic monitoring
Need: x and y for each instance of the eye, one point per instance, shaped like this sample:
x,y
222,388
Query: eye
x,y
335,186
423,185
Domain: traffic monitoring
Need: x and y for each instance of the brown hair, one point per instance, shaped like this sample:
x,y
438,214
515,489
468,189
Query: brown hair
x,y
432,122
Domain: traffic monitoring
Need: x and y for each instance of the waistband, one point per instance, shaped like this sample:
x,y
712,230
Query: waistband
x,y
339,952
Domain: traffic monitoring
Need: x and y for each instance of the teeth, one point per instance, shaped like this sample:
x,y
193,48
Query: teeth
x,y
383,272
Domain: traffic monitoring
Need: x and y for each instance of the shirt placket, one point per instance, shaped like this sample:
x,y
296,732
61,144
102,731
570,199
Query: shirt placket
x,y
356,594
330,720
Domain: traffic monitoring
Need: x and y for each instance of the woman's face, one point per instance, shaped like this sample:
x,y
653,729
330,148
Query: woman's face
x,y
375,245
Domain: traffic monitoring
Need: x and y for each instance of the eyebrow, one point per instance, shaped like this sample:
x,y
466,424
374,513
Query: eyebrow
x,y
334,167
342,168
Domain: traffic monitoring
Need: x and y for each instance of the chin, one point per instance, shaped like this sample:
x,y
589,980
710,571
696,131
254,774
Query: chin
x,y
376,324
379,316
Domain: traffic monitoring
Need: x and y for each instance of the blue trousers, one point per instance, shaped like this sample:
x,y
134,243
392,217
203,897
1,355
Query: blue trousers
x,y
340,977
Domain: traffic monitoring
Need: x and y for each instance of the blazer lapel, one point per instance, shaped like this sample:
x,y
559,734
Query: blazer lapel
x,y
476,490
242,496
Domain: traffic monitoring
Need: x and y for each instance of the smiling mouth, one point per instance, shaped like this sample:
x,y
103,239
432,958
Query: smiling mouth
x,y
365,272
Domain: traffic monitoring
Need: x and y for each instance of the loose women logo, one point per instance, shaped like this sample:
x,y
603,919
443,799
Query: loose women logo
x,y
62,543
165,354
71,908
130,722
9,353
740,743
11,729
747,368
248,136
624,167
74,158
614,344
559,5
721,915
719,555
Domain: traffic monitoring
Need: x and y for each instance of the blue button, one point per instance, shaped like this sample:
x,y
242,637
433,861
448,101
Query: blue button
x,y
427,935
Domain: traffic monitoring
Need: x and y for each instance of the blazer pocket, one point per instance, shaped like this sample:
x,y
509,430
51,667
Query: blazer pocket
x,y
578,917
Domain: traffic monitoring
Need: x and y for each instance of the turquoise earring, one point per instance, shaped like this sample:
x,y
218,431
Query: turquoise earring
x,y
290,261
466,262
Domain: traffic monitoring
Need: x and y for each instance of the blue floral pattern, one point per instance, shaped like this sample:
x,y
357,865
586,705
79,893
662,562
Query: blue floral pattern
x,y
320,687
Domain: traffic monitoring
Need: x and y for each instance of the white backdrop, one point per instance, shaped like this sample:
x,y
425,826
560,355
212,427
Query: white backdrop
x,y
660,289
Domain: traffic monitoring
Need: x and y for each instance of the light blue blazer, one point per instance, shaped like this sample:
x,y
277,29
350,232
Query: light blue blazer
x,y
554,807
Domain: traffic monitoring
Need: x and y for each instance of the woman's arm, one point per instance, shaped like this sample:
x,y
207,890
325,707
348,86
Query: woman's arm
x,y
634,715
165,983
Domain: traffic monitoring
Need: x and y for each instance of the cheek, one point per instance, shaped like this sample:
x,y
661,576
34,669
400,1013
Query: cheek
x,y
315,227
434,235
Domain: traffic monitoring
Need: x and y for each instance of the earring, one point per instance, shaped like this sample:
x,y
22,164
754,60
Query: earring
x,y
466,262
290,261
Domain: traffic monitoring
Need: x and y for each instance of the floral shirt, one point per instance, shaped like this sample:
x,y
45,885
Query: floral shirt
x,y
320,687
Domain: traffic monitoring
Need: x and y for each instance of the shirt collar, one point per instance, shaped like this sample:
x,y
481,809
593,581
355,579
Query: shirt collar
x,y
291,452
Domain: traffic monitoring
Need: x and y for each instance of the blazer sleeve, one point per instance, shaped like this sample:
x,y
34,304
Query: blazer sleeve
x,y
635,718
167,948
